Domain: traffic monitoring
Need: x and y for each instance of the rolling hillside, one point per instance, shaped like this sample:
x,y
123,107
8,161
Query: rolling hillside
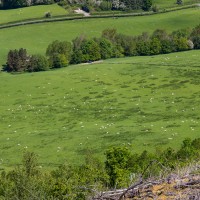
x,y
147,102
33,12
35,38
171,3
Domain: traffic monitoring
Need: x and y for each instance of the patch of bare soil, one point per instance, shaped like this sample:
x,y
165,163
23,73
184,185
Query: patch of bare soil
x,y
79,11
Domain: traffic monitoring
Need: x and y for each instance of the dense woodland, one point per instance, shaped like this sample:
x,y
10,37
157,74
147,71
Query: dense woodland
x,y
122,167
110,45
9,4
87,5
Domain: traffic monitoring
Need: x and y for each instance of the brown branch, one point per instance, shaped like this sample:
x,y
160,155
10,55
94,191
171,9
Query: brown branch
x,y
191,184
141,179
130,188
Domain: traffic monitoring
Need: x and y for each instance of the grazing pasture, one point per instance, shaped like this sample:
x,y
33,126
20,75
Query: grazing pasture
x,y
172,3
144,102
33,12
36,38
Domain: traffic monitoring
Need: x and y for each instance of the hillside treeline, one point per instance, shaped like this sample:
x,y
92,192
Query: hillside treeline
x,y
121,168
105,5
9,4
110,45
85,4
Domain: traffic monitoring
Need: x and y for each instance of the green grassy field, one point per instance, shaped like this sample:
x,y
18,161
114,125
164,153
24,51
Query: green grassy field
x,y
32,12
172,3
35,38
144,102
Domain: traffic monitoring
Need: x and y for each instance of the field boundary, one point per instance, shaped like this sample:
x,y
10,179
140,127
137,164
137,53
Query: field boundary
x,y
112,15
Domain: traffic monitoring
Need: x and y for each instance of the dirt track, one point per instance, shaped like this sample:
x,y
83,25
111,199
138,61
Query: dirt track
x,y
79,11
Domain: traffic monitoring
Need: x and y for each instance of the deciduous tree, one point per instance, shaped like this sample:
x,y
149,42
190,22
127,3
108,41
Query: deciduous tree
x,y
38,63
17,60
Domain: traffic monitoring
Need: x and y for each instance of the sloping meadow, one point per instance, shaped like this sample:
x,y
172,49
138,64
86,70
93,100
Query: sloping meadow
x,y
36,38
143,102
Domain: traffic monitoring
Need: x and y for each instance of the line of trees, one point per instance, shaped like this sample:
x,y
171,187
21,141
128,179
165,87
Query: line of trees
x,y
20,61
120,169
9,4
85,4
110,45
124,5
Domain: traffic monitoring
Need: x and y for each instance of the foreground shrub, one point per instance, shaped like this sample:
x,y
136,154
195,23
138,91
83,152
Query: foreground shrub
x,y
120,169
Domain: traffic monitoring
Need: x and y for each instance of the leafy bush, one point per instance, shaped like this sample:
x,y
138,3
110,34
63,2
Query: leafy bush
x,y
58,61
47,15
121,167
86,8
155,8
17,60
105,5
195,37
38,63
